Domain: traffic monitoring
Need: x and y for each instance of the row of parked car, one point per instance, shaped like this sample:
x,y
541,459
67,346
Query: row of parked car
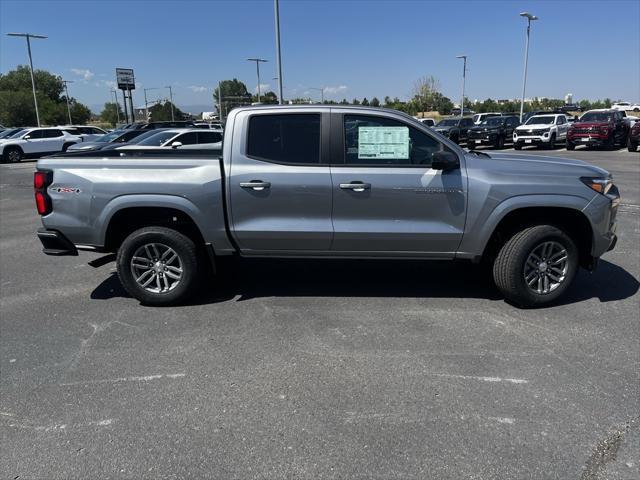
x,y
595,128
29,142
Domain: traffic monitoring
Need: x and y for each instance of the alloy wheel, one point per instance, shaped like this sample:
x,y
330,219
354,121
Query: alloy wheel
x,y
156,267
546,267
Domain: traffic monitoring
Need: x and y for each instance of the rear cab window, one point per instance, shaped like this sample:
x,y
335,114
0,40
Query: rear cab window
x,y
285,138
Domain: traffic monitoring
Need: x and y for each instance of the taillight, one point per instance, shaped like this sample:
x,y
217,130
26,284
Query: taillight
x,y
41,180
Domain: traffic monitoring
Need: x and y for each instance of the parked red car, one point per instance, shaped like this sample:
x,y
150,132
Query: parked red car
x,y
634,137
599,128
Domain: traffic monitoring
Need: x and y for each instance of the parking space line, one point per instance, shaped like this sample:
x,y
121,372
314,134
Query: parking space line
x,y
146,378
484,379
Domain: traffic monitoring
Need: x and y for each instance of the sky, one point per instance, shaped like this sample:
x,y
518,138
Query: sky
x,y
362,48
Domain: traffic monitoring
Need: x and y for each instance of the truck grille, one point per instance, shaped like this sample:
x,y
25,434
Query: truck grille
x,y
585,130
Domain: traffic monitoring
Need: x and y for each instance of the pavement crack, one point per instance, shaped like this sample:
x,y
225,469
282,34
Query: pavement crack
x,y
606,450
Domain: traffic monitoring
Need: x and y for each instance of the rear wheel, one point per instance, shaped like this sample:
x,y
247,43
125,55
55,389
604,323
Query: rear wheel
x,y
66,146
12,155
158,265
536,265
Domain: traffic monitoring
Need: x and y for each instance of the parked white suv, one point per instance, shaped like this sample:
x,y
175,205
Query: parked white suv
x,y
625,106
88,133
182,138
35,142
541,130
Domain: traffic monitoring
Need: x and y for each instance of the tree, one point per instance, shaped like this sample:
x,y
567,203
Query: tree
x,y
355,102
268,98
110,113
375,102
344,101
365,102
234,94
161,112
16,100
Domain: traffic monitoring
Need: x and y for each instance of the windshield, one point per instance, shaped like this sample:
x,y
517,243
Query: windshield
x,y
19,133
596,117
109,137
9,133
448,123
546,120
141,138
493,121
157,139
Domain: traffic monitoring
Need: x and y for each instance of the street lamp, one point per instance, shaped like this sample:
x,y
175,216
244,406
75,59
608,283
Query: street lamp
x,y
321,90
66,89
29,36
276,8
464,76
258,61
529,18
171,100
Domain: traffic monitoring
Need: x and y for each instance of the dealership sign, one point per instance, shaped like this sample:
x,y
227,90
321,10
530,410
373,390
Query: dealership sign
x,y
125,79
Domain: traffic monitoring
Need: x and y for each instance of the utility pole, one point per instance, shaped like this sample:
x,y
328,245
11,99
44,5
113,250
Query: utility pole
x,y
171,100
66,89
29,36
258,61
146,108
276,7
133,113
529,18
321,92
464,76
115,100
220,99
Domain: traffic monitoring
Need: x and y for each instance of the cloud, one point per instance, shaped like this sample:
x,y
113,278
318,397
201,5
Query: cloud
x,y
264,87
334,90
84,73
105,84
197,89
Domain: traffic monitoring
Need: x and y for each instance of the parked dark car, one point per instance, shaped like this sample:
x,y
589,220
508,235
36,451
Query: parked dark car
x,y
454,128
634,137
117,137
169,124
599,128
570,107
495,131
467,111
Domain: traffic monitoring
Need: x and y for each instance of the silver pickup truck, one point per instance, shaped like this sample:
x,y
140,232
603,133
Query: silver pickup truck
x,y
320,182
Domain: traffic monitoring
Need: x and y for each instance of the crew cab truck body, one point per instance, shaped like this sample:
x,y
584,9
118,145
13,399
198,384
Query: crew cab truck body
x,y
599,128
322,182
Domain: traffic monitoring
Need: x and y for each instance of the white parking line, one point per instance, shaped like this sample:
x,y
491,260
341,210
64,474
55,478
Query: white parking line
x,y
484,379
146,378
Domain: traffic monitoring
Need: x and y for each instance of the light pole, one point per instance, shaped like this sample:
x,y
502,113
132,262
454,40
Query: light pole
x,y
529,18
29,36
146,108
66,89
258,61
464,76
276,7
321,90
171,100
115,96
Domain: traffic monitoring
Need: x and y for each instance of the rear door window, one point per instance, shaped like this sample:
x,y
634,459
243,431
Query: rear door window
x,y
209,137
285,138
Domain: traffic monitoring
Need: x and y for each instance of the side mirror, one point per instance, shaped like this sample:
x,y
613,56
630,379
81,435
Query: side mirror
x,y
26,137
176,144
445,161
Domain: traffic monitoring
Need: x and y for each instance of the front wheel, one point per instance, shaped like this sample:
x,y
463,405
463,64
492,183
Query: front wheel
x,y
536,265
570,146
12,155
158,265
552,142
499,142
517,146
631,146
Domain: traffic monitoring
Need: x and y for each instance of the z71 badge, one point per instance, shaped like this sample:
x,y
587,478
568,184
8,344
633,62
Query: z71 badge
x,y
66,190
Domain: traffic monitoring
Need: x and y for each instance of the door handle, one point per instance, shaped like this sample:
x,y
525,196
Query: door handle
x,y
257,185
355,186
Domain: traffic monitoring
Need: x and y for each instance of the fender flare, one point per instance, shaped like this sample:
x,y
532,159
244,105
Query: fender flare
x,y
476,239
122,202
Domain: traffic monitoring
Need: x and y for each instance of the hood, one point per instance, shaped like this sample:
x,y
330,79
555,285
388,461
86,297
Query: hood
x,y
579,124
86,146
444,128
485,128
534,126
541,165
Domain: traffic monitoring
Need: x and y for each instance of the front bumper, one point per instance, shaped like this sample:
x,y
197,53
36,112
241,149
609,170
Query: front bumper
x,y
530,140
55,243
589,140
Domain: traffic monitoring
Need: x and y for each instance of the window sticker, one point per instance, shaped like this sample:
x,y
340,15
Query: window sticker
x,y
383,143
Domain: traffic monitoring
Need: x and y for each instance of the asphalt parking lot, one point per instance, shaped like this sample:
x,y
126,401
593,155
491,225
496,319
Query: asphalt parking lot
x,y
306,370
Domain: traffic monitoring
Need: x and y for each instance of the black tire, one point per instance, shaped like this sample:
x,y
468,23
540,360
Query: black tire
x,y
499,142
454,139
12,155
66,146
509,265
517,146
570,146
631,146
182,246
610,143
552,142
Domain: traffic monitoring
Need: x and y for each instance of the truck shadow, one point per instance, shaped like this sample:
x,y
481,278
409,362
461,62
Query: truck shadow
x,y
244,279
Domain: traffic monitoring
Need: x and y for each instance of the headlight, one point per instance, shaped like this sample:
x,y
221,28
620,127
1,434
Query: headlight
x,y
598,184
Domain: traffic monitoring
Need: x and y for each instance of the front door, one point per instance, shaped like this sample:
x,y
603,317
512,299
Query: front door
x,y
279,189
386,198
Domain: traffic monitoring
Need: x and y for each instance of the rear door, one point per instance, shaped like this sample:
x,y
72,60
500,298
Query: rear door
x,y
53,140
386,197
279,182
